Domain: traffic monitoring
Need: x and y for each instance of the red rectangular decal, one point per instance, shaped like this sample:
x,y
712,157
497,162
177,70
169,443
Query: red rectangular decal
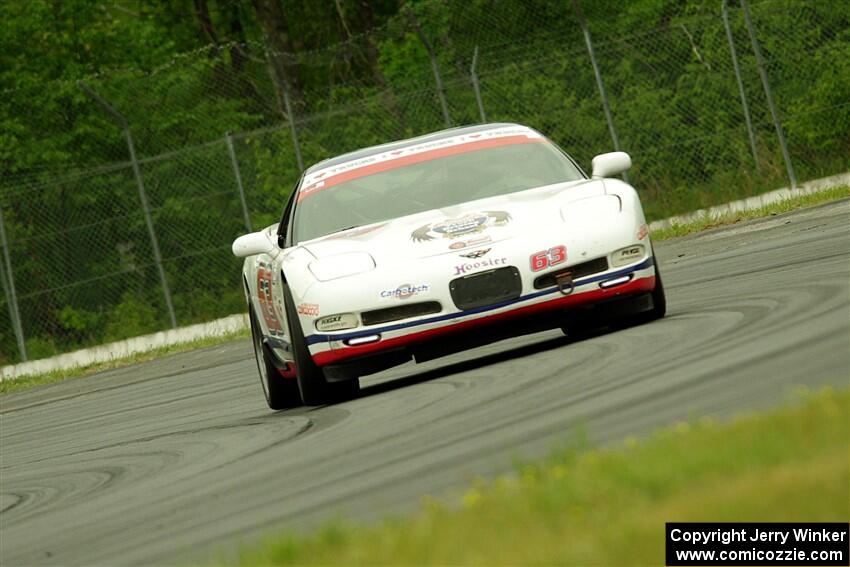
x,y
552,257
264,296
308,309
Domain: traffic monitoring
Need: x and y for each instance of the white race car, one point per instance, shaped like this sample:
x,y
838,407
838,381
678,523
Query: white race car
x,y
436,244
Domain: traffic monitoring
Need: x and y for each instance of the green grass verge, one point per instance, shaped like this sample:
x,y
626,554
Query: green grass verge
x,y
609,506
17,384
780,207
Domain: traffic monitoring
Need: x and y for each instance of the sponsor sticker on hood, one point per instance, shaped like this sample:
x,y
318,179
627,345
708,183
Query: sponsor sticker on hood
x,y
466,225
461,244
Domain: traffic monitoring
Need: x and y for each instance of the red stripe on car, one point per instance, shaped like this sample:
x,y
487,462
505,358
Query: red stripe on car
x,y
343,353
379,167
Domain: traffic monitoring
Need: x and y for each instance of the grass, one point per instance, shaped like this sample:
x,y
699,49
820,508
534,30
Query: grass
x,y
777,208
16,384
608,507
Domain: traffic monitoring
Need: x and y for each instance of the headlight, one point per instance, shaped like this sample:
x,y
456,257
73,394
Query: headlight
x,y
627,255
341,265
337,322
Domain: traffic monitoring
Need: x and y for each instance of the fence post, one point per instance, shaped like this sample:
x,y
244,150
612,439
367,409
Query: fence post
x,y
292,129
287,108
475,85
9,288
725,15
229,139
767,93
599,83
137,172
435,69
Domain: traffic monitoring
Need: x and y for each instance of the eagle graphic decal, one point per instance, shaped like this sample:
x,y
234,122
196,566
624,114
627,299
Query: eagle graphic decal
x,y
472,223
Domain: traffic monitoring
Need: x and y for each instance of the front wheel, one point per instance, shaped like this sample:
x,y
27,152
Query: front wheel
x,y
659,298
659,302
624,313
280,392
315,389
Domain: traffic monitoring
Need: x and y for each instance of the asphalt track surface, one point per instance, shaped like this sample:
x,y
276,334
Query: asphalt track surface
x,y
173,459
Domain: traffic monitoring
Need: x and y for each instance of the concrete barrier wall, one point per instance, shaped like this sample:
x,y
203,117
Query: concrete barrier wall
x,y
756,202
127,347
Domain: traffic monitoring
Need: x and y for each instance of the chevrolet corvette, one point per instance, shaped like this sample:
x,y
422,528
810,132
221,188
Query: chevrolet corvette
x,y
424,247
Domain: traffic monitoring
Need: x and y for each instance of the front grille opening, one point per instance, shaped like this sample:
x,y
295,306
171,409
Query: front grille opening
x,y
486,288
579,271
396,313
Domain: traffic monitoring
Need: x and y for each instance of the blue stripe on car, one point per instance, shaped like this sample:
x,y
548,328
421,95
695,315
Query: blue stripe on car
x,y
314,339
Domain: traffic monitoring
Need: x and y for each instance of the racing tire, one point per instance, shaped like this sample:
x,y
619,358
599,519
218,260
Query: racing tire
x,y
315,389
659,302
280,393
659,298
657,311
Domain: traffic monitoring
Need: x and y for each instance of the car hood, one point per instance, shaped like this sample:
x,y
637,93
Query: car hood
x,y
467,225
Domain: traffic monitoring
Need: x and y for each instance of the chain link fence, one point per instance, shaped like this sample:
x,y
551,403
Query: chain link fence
x,y
122,194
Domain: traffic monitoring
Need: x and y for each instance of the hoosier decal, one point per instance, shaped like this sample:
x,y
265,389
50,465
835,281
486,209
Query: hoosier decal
x,y
473,266
472,223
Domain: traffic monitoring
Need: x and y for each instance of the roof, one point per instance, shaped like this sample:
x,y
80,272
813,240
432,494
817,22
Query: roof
x,y
447,133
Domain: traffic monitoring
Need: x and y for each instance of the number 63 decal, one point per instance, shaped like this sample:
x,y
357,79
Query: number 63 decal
x,y
546,258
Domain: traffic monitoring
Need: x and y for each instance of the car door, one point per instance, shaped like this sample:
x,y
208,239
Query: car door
x,y
271,296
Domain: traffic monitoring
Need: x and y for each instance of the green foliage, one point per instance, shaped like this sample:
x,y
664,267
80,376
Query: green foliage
x,y
78,321
131,317
40,347
79,241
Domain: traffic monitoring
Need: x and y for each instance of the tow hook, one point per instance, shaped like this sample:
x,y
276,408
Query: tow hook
x,y
565,283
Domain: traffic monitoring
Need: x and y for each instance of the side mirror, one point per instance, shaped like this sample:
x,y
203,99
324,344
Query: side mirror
x,y
611,164
254,243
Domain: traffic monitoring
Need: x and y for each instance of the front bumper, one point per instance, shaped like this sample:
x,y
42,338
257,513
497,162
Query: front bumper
x,y
331,349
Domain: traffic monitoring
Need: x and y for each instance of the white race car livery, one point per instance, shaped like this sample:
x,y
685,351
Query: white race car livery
x,y
424,247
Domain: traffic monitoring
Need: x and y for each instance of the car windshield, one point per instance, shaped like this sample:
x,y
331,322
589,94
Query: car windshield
x,y
395,188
